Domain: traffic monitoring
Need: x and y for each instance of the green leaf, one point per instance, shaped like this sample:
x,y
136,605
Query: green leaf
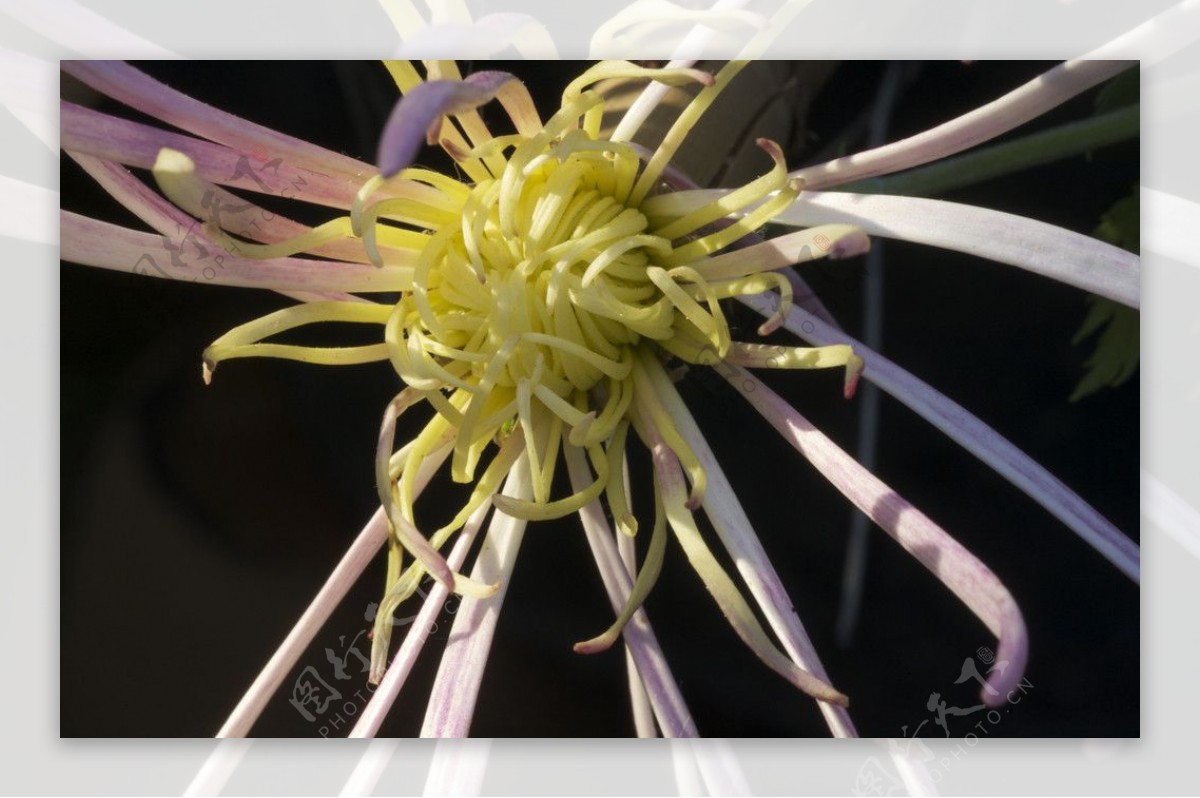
x,y
1118,347
1117,352
1125,89
1120,226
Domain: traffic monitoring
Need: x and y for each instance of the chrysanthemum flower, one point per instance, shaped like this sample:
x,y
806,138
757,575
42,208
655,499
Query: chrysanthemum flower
x,y
541,302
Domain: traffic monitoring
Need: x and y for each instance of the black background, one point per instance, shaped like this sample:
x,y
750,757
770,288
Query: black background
x,y
198,522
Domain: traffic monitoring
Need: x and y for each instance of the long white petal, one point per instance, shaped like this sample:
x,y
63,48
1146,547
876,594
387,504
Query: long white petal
x,y
1035,246
1033,99
76,27
27,91
27,211
1168,510
418,634
1171,225
639,699
347,571
1045,249
456,687
1156,39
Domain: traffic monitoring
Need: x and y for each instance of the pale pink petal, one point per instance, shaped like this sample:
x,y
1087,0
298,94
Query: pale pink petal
x,y
639,699
237,216
134,144
1031,100
352,564
956,567
138,90
191,258
669,708
347,571
456,687
1041,248
417,635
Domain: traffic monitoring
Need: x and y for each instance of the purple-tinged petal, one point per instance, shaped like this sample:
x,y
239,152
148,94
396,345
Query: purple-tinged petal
x,y
189,257
401,666
639,698
1038,247
669,708
134,144
138,90
235,214
456,687
976,437
418,115
1033,99
956,567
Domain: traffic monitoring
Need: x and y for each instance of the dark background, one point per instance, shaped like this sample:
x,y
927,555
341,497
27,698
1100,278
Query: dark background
x,y
198,522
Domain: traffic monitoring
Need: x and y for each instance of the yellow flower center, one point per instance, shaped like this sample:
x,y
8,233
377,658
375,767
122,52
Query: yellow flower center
x,y
536,305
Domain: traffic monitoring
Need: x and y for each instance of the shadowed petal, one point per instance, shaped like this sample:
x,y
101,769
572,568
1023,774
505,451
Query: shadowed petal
x,y
956,567
418,115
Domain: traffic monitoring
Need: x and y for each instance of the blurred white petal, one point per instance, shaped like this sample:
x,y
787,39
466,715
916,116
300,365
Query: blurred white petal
x,y
27,211
78,28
